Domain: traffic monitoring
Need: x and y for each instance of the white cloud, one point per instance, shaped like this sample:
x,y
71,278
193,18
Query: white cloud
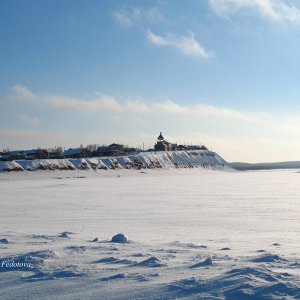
x,y
30,139
19,133
22,93
31,121
274,10
157,40
204,110
143,17
129,17
65,102
237,135
109,103
186,44
220,112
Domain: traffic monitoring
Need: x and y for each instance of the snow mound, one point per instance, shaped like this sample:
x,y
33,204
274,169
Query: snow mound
x,y
205,263
46,164
151,262
119,238
80,164
68,272
243,283
95,240
4,241
187,245
114,277
9,166
78,249
268,258
225,248
114,260
29,261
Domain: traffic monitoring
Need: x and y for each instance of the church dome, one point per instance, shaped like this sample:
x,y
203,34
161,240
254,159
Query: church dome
x,y
160,137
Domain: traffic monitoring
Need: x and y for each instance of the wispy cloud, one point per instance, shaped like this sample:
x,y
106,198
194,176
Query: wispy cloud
x,y
204,110
130,17
127,17
274,10
19,133
144,17
22,93
186,44
27,120
111,104
84,105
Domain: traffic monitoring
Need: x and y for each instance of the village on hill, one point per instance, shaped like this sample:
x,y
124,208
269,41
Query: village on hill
x,y
93,150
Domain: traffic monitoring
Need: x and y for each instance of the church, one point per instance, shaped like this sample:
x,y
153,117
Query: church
x,y
163,145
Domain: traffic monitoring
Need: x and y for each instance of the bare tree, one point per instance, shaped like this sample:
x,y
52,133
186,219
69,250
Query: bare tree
x,y
92,147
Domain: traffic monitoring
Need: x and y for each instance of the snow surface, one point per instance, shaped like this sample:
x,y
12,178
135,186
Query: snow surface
x,y
147,160
192,234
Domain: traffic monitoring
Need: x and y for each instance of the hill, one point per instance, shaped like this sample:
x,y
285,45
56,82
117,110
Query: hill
x,y
146,160
265,166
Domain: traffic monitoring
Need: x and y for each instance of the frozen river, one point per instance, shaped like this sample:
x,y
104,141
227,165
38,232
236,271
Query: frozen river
x,y
198,211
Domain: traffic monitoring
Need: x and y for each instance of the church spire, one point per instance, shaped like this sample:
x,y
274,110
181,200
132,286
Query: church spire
x,y
160,137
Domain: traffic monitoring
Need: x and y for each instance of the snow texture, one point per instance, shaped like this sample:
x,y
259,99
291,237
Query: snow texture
x,y
194,234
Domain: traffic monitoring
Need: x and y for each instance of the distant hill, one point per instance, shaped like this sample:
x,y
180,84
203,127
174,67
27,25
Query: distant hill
x,y
266,166
147,160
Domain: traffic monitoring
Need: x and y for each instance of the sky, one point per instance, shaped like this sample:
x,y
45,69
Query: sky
x,y
223,73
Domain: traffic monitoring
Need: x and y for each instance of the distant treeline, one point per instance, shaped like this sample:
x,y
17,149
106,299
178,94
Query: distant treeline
x,y
265,166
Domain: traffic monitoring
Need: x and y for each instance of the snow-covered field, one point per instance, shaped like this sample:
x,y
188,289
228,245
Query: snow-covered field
x,y
193,234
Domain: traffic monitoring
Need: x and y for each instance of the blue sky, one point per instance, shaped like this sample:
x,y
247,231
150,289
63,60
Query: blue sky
x,y
224,73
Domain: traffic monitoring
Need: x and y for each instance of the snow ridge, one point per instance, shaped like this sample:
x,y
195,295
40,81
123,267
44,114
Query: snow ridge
x,y
146,160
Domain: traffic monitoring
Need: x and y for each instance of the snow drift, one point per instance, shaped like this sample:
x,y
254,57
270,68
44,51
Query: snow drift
x,y
147,160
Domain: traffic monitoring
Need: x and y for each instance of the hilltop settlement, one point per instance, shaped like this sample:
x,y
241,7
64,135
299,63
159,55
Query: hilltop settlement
x,y
114,149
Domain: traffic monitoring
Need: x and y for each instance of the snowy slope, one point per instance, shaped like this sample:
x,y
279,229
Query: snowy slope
x,y
148,160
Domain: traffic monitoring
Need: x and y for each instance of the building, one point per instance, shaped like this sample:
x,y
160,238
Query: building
x,y
12,155
36,154
25,154
130,150
191,147
182,147
55,154
111,150
76,153
163,145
